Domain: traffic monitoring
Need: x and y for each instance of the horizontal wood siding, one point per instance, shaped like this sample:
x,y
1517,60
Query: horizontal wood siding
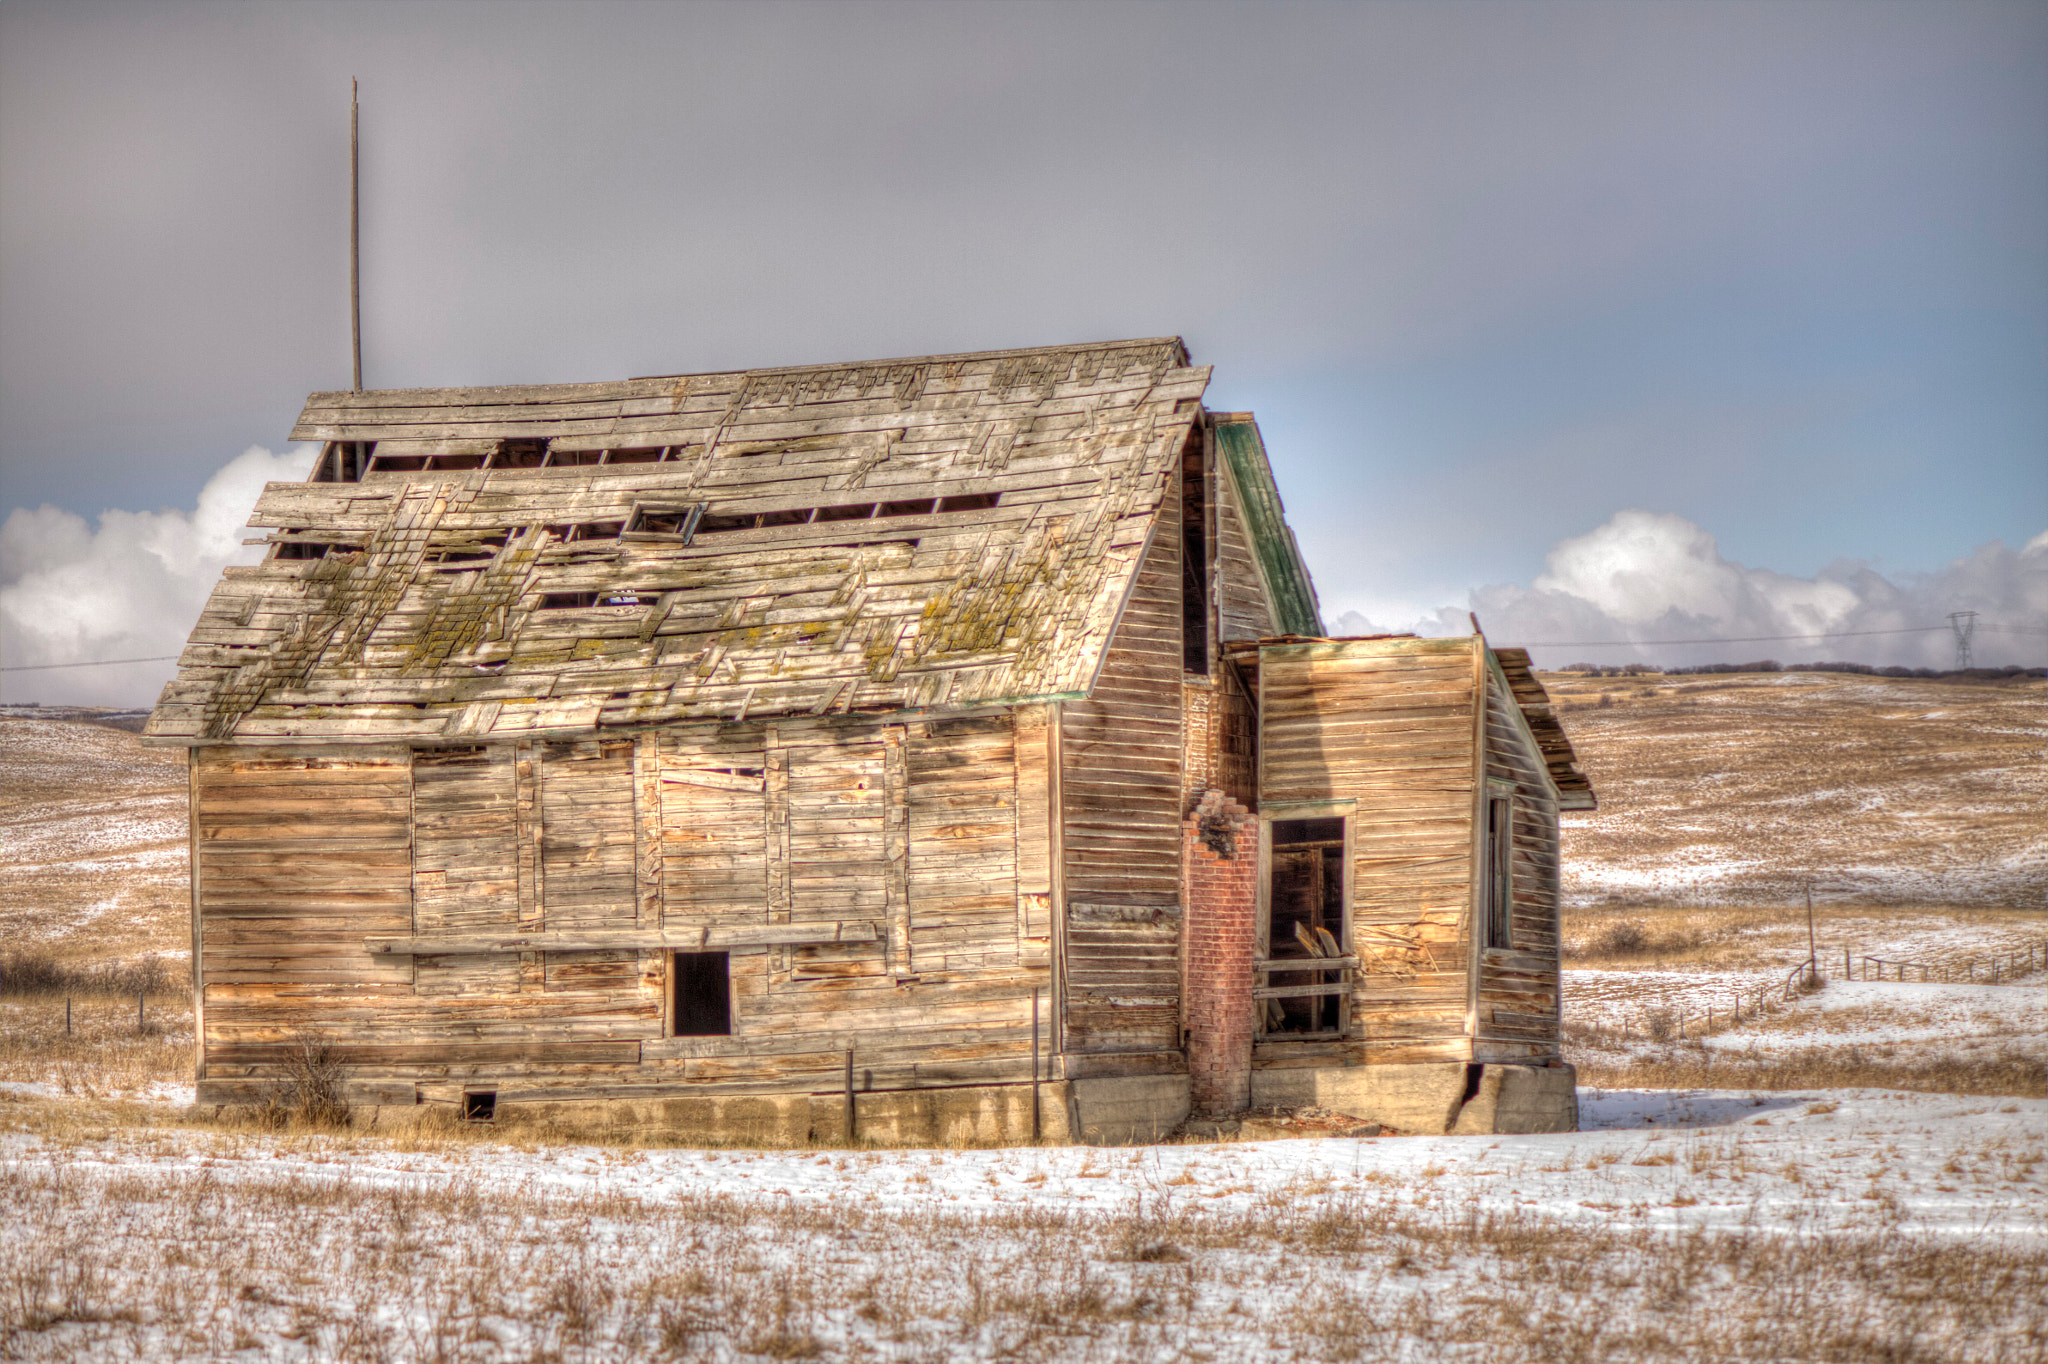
x,y
587,868
1120,788
963,845
1519,985
1242,607
714,865
1388,724
465,864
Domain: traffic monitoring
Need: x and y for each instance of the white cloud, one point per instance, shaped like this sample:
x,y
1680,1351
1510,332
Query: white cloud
x,y
1645,577
129,587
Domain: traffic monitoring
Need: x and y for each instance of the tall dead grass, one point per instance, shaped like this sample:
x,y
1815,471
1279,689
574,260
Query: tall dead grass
x,y
211,1262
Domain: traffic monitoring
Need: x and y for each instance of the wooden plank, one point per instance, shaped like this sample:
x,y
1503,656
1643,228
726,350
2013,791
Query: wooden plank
x,y
591,940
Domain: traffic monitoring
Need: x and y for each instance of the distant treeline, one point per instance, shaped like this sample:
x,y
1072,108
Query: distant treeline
x,y
1771,665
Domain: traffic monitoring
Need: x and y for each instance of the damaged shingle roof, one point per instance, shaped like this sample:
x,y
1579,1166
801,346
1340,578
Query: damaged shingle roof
x,y
938,532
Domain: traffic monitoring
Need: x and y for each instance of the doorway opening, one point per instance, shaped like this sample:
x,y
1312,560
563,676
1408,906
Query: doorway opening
x,y
1305,923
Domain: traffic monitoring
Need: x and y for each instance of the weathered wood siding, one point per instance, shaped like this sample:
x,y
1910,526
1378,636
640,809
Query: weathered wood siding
x,y
1517,1016
908,832
1120,788
586,849
305,853
465,863
1243,609
963,845
714,863
1389,725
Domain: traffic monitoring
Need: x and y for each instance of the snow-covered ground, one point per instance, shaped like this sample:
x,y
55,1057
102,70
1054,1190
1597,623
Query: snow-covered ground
x,y
1678,1225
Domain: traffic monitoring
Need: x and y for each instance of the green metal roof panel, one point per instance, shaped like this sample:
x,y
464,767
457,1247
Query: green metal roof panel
x,y
1287,582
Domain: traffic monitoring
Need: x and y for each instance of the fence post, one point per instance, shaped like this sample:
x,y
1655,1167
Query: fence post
x,y
849,1096
67,1015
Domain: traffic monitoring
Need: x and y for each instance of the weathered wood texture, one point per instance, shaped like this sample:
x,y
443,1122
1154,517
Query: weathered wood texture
x,y
465,865
1120,788
1574,791
1242,464
1244,610
1388,724
1518,985
885,860
492,603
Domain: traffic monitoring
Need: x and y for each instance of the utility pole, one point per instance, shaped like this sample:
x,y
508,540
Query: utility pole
x,y
1964,623
355,273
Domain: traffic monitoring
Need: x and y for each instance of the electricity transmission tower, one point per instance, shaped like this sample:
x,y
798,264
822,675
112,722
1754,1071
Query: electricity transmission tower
x,y
1964,623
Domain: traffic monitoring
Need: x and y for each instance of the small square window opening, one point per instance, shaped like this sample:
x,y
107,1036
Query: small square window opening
x,y
702,1001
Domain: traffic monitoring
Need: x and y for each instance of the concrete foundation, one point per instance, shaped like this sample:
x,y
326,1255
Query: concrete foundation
x,y
1101,1111
1107,1111
1432,1097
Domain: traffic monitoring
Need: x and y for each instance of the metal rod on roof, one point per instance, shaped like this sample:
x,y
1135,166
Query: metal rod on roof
x,y
355,272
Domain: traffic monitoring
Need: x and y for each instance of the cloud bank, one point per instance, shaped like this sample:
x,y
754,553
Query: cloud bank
x,y
129,587
1646,577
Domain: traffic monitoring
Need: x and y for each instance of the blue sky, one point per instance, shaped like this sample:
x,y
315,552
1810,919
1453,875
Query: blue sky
x,y
1490,274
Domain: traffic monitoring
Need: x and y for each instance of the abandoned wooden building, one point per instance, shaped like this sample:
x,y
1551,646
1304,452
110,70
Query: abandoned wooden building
x,y
943,748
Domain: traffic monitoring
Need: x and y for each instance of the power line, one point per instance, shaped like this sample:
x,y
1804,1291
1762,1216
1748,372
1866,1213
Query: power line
x,y
94,663
1767,639
1726,639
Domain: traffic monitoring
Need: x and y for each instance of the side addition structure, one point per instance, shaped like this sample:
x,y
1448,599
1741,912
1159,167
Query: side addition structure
x,y
917,749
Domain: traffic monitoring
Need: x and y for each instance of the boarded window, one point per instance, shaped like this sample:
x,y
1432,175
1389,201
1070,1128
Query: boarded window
x,y
587,835
701,1005
1500,861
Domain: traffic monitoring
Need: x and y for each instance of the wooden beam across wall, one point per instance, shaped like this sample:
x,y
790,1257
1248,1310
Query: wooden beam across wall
x,y
599,940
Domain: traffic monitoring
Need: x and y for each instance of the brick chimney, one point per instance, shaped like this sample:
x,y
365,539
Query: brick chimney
x,y
1221,853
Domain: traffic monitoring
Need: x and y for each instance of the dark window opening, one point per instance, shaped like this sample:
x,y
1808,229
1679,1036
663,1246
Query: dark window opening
x,y
520,452
626,599
311,549
569,459
1305,908
711,523
456,462
397,464
1500,861
343,461
702,1005
652,454
1194,565
588,530
665,521
480,1105
566,601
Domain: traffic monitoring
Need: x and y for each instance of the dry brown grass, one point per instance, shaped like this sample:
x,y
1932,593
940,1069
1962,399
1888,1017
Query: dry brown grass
x,y
2006,1070
95,853
1773,936
208,1262
1740,788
